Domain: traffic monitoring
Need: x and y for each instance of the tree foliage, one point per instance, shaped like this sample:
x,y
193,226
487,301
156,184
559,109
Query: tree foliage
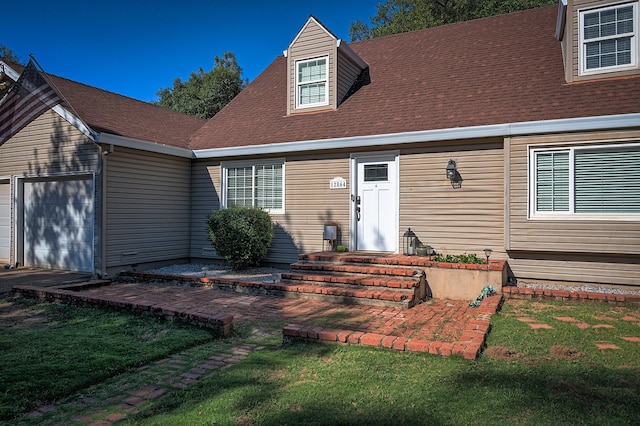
x,y
205,93
7,54
398,16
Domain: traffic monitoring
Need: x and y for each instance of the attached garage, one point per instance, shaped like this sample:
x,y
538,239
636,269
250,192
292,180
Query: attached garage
x,y
58,216
5,221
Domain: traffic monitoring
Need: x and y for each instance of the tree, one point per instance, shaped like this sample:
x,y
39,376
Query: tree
x,y
205,93
398,16
7,54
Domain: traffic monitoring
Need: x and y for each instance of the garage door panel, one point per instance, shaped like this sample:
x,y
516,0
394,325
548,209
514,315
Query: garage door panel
x,y
58,223
5,221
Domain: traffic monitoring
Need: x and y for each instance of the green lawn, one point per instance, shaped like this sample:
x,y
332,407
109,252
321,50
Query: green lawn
x,y
549,376
47,351
525,376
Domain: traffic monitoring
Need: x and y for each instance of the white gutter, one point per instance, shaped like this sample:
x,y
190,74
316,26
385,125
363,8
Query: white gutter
x,y
473,132
109,139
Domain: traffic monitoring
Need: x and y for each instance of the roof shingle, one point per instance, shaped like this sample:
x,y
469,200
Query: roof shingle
x,y
496,70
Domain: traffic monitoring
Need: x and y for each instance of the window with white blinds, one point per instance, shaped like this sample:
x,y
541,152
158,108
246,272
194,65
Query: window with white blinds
x,y
552,181
311,81
255,185
586,181
609,38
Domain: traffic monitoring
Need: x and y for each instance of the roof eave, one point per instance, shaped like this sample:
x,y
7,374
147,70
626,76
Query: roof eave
x,y
115,140
472,132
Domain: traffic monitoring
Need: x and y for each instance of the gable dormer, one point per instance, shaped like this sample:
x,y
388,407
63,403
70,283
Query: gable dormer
x,y
321,69
599,38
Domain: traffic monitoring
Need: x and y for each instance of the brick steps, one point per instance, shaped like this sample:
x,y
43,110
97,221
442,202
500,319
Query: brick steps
x,y
353,279
359,278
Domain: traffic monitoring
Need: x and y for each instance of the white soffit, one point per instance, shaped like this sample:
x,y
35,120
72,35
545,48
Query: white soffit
x,y
115,140
494,130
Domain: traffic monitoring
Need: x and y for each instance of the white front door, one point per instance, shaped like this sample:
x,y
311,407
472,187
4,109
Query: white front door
x,y
376,204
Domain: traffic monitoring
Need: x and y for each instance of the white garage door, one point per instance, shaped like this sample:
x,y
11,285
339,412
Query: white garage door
x,y
5,221
58,223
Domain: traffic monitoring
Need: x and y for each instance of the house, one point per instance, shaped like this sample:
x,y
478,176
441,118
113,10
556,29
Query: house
x,y
519,133
99,182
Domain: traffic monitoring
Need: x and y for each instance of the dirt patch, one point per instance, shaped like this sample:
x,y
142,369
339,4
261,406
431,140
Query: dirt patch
x,y
564,352
501,353
20,313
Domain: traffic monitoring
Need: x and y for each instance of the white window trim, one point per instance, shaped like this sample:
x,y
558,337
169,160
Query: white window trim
x,y
569,215
582,44
299,84
225,166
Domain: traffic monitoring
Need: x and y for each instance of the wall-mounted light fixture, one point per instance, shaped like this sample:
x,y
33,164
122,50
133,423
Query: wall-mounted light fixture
x,y
487,253
409,243
451,170
453,175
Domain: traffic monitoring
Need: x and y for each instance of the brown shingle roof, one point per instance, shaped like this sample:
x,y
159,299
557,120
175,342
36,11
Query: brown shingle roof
x,y
496,70
109,112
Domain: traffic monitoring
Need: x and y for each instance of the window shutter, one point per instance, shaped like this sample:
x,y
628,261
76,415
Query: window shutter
x,y
552,181
607,181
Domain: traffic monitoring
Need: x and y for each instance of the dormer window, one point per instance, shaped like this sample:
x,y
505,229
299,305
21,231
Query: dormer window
x,y
609,38
312,88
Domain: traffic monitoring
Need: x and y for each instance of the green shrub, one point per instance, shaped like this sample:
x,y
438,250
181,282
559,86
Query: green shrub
x,y
241,235
459,258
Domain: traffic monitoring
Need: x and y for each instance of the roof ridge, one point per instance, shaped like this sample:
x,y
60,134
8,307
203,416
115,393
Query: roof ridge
x,y
451,24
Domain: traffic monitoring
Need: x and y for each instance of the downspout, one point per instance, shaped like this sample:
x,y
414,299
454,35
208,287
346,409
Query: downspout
x,y
103,222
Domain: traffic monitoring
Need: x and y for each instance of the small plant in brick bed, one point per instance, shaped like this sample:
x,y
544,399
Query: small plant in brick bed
x,y
241,235
459,258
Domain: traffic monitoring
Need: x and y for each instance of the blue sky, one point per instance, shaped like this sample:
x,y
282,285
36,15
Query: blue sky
x,y
135,47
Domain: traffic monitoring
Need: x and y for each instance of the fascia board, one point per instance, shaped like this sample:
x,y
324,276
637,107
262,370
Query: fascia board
x,y
474,132
75,122
59,109
109,139
344,47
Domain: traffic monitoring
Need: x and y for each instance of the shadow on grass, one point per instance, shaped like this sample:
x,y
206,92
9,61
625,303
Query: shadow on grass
x,y
318,384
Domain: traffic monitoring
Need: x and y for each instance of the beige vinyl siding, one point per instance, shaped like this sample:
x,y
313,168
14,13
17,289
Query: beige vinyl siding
x,y
312,42
573,30
348,72
50,146
597,269
148,202
205,198
309,204
562,240
468,219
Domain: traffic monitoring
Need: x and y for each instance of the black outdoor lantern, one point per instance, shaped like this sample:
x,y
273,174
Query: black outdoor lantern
x,y
451,170
410,240
487,253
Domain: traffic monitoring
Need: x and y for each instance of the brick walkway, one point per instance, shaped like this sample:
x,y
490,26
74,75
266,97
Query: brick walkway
x,y
439,327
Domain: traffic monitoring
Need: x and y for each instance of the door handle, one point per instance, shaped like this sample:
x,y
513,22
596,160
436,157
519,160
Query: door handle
x,y
358,213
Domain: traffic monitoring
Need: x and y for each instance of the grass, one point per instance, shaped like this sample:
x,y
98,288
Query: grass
x,y
525,376
47,351
528,383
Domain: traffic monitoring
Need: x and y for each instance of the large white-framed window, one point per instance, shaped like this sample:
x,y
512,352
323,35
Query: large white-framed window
x,y
585,182
609,38
312,82
254,184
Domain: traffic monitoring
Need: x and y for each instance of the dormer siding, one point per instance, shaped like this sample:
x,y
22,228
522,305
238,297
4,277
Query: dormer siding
x,y
313,41
348,72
